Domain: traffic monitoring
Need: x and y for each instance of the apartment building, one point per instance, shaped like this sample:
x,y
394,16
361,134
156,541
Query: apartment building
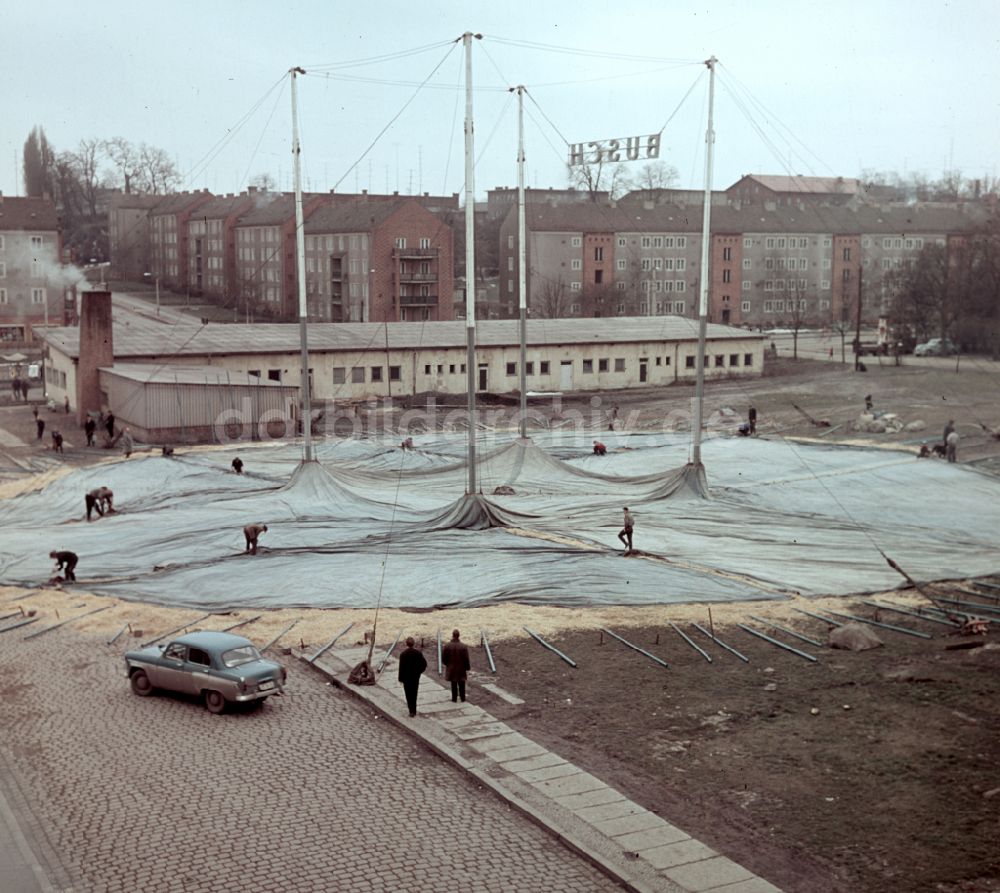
x,y
211,244
378,261
168,242
33,282
128,234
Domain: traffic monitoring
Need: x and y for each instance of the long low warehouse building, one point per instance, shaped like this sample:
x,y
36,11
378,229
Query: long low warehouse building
x,y
358,361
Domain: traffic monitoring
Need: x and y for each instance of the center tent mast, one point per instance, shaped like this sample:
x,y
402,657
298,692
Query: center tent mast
x,y
706,235
305,414
522,267
470,261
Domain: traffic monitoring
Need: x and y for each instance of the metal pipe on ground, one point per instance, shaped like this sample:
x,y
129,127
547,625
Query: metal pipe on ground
x,y
49,629
176,629
898,609
786,630
275,639
690,641
889,626
117,635
719,642
329,645
440,663
989,609
652,657
551,648
489,653
388,653
818,617
14,626
229,629
767,638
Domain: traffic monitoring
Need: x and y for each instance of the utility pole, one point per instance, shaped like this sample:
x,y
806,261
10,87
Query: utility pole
x,y
857,330
300,255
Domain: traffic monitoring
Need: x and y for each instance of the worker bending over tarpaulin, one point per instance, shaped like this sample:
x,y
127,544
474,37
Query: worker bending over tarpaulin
x,y
779,518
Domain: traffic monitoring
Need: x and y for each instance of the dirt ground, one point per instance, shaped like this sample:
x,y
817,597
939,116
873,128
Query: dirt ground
x,y
870,771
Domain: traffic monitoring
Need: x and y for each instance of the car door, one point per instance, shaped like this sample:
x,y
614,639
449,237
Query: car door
x,y
171,671
199,675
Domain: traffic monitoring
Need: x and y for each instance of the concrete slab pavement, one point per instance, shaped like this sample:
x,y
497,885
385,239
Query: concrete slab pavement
x,y
627,842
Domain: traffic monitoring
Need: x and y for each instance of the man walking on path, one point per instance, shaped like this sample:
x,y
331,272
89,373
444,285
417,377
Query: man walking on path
x,y
455,657
752,419
109,424
127,442
40,426
89,427
625,534
411,664
57,441
66,561
252,532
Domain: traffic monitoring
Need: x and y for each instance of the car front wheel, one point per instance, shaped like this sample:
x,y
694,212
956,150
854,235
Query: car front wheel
x,y
141,684
215,702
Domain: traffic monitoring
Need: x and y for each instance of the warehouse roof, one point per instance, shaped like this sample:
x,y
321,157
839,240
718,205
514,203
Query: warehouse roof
x,y
149,338
195,375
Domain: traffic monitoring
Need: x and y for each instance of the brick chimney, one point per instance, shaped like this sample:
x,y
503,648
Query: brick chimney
x,y
96,350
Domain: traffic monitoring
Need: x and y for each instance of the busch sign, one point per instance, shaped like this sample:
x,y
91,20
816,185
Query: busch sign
x,y
624,149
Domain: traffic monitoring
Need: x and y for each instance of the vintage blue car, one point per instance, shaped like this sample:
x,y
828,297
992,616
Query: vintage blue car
x,y
221,668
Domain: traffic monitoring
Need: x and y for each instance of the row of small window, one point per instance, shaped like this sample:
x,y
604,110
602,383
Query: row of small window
x,y
36,242
55,377
658,263
257,234
400,242
352,242
720,360
358,374
778,306
38,296
663,285
784,242
905,243
662,307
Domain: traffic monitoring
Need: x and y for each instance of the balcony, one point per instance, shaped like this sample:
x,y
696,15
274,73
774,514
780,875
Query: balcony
x,y
417,253
417,300
418,277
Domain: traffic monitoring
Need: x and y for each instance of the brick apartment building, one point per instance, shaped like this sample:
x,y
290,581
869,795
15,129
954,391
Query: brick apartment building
x,y
211,244
168,242
33,283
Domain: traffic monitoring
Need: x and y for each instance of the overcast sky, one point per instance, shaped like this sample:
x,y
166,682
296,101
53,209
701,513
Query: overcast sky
x,y
804,87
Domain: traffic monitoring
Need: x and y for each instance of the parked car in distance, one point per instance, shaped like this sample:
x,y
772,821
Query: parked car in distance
x,y
936,347
221,668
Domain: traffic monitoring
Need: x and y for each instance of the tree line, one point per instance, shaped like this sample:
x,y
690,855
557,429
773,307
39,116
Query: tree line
x,y
79,179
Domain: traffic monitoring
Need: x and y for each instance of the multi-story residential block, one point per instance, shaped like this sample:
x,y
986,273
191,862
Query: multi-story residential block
x,y
771,264
378,261
128,234
33,282
211,245
168,237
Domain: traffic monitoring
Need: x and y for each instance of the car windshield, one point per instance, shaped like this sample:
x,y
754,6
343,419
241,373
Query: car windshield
x,y
236,657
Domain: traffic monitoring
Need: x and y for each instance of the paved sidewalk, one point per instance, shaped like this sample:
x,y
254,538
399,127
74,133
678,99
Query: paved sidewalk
x,y
624,840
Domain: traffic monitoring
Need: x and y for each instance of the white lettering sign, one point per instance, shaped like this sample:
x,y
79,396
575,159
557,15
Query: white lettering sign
x,y
630,148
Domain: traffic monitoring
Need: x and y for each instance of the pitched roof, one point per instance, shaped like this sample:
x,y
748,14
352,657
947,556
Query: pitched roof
x,y
351,217
147,339
823,185
28,213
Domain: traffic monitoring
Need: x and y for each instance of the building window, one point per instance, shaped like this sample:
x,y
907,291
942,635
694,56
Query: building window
x,y
358,374
575,264
400,241
3,270
621,304
576,242
621,242
598,252
847,254
425,243
745,306
574,308
748,359
846,275
588,366
510,264
647,263
376,373
682,241
727,253
746,285
748,243
826,263
543,367
824,283
747,263
645,241
575,286
38,296
395,373
427,369
529,368
603,365
620,364
657,241
510,286
727,275
734,359
803,263
598,277
512,368
621,287
274,375
689,362
3,296
621,263
720,360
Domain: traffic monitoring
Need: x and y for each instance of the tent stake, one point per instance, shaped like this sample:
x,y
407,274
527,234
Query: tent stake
x,y
330,644
652,657
690,642
702,629
552,648
767,638
117,635
440,664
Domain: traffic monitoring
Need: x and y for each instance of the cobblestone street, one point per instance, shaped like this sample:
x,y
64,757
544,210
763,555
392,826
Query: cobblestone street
x,y
310,793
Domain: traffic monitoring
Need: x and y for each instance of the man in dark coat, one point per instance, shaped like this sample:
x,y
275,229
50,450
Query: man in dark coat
x,y
252,532
89,427
752,419
66,562
455,657
109,424
411,664
238,465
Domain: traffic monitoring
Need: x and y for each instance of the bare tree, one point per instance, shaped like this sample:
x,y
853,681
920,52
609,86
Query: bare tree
x,y
552,301
599,178
158,174
653,177
263,182
125,157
